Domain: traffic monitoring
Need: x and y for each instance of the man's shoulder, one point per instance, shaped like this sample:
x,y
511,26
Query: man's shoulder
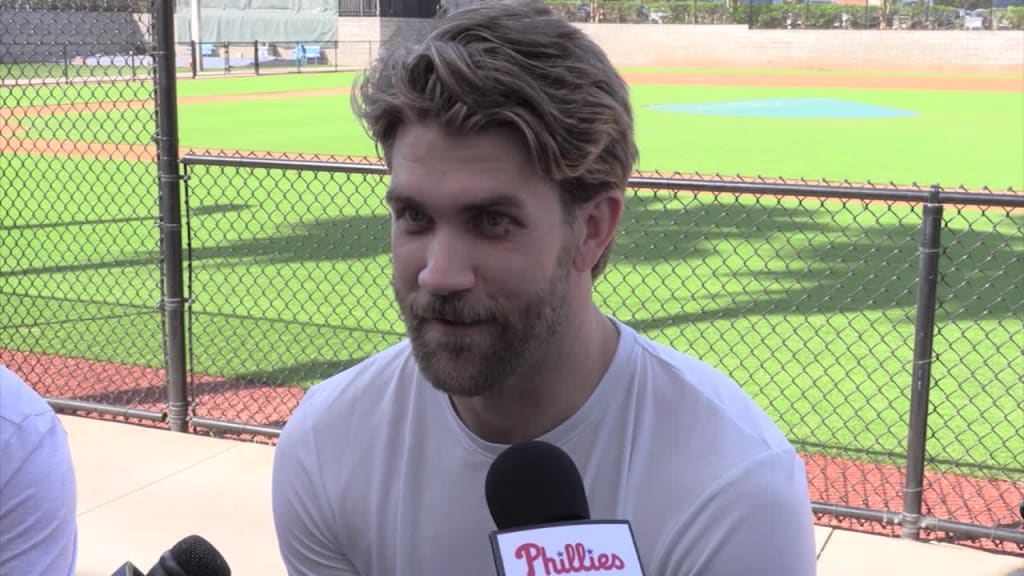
x,y
676,371
20,402
682,383
371,377
357,391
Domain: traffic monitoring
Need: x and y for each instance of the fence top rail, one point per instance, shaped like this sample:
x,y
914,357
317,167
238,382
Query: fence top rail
x,y
715,184
284,164
841,191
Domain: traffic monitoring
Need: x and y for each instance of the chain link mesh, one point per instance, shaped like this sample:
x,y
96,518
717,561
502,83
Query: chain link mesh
x,y
975,444
809,303
81,277
289,276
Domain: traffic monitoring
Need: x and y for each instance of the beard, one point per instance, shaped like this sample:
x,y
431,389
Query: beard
x,y
515,337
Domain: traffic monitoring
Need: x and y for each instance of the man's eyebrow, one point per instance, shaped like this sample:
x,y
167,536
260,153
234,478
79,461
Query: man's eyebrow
x,y
393,196
496,201
501,200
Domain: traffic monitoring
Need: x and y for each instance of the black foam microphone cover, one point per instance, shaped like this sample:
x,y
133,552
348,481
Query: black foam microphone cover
x,y
534,483
191,556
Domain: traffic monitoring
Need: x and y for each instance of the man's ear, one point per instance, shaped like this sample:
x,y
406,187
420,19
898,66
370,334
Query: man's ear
x,y
596,223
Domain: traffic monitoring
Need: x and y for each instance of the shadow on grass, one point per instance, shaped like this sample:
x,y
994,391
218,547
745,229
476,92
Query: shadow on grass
x,y
969,467
745,258
326,240
787,260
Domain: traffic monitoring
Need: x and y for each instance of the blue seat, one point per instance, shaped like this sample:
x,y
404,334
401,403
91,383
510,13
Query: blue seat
x,y
304,53
206,49
313,53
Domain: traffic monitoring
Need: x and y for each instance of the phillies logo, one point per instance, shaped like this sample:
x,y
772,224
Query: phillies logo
x,y
573,559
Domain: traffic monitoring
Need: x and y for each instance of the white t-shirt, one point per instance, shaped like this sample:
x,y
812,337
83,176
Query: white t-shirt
x,y
38,530
375,474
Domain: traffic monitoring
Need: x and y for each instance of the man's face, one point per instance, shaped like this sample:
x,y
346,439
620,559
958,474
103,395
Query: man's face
x,y
481,256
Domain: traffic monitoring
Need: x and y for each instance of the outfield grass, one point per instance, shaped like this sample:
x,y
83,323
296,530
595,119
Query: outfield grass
x,y
805,72
76,93
809,306
54,70
956,138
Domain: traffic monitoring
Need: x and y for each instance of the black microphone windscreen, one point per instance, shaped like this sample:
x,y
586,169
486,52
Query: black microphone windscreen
x,y
534,483
197,557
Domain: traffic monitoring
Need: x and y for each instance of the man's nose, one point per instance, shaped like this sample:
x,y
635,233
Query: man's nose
x,y
449,268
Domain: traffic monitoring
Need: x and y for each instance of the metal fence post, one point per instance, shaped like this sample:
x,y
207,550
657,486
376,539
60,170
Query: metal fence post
x,y
256,56
924,329
173,300
67,72
195,58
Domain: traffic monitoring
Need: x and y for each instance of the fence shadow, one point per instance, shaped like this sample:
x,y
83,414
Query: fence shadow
x,y
827,267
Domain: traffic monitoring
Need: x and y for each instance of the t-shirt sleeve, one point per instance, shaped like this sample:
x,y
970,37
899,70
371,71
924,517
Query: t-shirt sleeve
x,y
756,520
37,512
303,516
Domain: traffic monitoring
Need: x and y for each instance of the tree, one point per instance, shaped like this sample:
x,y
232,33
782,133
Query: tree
x,y
885,15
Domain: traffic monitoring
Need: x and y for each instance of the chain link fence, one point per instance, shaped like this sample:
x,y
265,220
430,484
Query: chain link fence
x,y
80,279
809,296
799,14
269,57
288,267
880,327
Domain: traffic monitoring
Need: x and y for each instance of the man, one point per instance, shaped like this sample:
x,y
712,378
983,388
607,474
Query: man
x,y
38,531
509,140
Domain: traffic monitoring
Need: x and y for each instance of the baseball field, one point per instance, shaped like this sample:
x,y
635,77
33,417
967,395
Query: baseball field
x,y
809,304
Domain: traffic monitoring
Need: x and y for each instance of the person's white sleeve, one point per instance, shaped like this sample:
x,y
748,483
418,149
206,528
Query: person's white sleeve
x,y
757,520
303,516
38,530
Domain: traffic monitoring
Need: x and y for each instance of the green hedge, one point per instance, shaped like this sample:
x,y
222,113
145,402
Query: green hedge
x,y
1015,17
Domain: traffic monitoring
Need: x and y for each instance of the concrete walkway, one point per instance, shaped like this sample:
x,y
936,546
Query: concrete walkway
x,y
140,490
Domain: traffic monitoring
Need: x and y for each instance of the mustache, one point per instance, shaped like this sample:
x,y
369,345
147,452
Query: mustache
x,y
450,309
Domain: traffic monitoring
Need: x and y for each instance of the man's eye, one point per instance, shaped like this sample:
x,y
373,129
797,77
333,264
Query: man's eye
x,y
494,220
411,215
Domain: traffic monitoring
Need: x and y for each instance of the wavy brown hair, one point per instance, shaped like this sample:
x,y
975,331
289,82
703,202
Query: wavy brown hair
x,y
514,65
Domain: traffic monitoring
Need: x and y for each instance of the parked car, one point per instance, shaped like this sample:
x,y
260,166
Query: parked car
x,y
974,20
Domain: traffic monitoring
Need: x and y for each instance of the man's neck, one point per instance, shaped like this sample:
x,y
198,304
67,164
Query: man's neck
x,y
542,398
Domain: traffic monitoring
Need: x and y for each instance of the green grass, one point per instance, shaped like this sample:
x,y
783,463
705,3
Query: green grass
x,y
809,306
54,70
803,72
82,93
956,138
973,139
258,84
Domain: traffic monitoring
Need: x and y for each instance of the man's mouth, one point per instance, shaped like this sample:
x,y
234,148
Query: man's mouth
x,y
456,321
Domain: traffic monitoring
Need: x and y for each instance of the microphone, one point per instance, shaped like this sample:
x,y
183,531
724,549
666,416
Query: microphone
x,y
536,497
534,483
191,556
